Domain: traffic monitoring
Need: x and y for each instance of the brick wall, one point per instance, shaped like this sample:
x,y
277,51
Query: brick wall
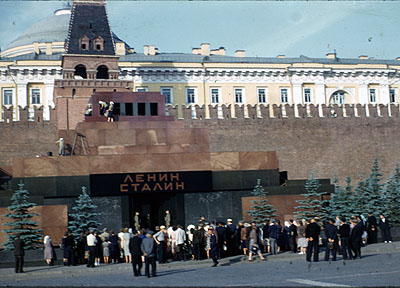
x,y
345,146
26,139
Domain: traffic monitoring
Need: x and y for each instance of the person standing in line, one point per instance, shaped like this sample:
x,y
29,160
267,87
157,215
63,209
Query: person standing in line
x,y
384,225
265,237
48,250
312,236
356,237
292,236
243,237
125,245
159,237
180,241
198,240
302,242
221,234
213,247
80,249
148,247
114,247
372,229
91,244
167,219
19,253
69,248
136,252
273,232
344,234
331,240
106,250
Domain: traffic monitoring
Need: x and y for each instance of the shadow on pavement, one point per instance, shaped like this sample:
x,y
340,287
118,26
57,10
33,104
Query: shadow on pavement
x,y
165,273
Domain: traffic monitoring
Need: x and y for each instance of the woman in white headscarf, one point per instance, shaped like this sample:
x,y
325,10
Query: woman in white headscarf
x,y
48,250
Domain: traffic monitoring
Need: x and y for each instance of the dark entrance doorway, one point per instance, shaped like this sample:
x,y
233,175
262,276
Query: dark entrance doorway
x,y
152,207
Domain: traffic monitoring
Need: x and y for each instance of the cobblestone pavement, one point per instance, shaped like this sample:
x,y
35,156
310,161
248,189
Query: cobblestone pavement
x,y
380,266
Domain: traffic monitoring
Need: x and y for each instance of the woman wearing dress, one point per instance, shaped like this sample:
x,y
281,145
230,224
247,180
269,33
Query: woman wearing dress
x,y
106,251
48,250
301,240
125,244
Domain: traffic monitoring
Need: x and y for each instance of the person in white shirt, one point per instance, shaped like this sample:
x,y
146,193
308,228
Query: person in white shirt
x,y
180,241
91,243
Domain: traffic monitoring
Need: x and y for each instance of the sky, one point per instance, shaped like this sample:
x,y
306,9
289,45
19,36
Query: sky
x,y
261,28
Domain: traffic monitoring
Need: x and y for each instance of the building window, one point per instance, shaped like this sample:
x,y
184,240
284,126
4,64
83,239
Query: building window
x,y
238,95
307,95
7,97
372,95
99,43
262,95
284,95
167,92
35,96
338,98
141,89
215,95
393,96
191,95
84,42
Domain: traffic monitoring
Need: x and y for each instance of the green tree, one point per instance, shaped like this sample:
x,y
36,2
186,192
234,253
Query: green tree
x,y
372,194
261,210
19,212
391,197
85,216
313,204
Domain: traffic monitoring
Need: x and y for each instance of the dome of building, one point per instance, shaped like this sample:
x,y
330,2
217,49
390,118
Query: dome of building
x,y
36,38
49,29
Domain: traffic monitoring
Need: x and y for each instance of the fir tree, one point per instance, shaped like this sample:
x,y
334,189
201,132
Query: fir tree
x,y
357,198
313,205
85,216
261,210
391,197
372,195
21,221
347,204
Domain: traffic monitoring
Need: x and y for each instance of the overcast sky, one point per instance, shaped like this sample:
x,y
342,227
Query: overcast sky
x,y
262,28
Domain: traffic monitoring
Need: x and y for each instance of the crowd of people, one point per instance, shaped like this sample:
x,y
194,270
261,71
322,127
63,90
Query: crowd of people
x,y
216,240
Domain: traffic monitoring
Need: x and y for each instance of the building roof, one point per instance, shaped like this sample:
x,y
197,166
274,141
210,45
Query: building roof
x,y
50,29
91,21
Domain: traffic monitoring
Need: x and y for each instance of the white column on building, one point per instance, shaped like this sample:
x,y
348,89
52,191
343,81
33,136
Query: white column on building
x,y
48,101
22,98
363,93
384,99
320,94
297,93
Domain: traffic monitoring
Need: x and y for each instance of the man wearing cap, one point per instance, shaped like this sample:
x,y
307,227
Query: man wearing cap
x,y
148,248
231,232
213,246
136,252
159,237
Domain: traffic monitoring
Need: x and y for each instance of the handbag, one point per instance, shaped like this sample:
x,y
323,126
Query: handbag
x,y
330,245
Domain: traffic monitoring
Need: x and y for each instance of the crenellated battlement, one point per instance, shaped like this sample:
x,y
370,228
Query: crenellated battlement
x,y
36,114
266,112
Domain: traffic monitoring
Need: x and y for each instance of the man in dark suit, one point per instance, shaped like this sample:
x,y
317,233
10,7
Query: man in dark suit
x,y
292,236
384,225
136,252
222,236
230,241
19,254
312,236
213,246
344,234
331,240
372,229
356,237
